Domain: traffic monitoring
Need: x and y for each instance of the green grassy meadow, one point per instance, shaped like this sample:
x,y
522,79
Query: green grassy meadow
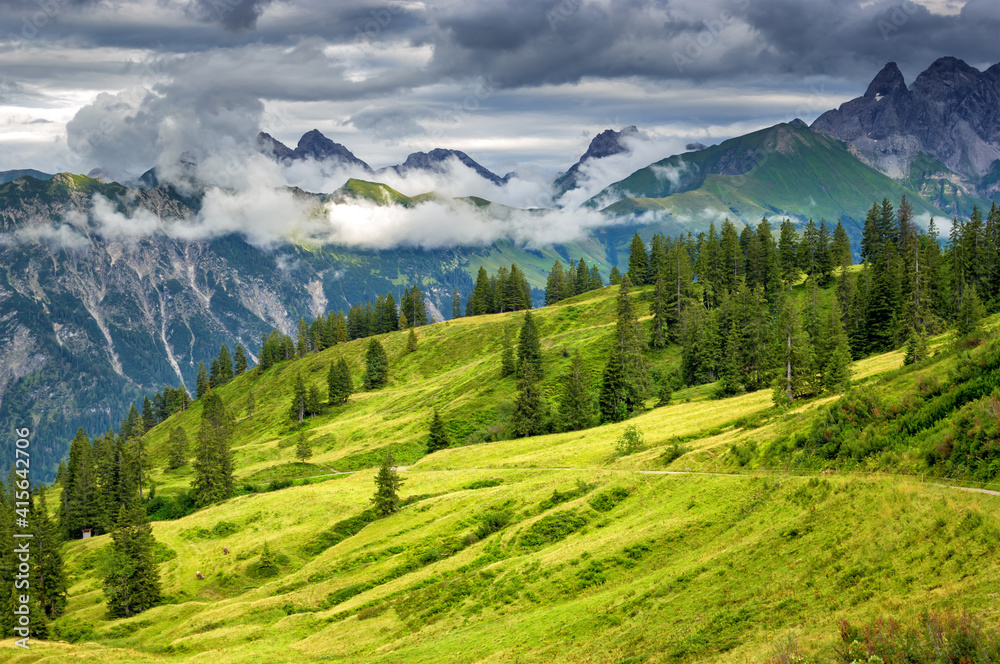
x,y
553,548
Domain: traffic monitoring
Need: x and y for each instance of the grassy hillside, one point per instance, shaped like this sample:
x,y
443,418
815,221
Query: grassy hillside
x,y
552,548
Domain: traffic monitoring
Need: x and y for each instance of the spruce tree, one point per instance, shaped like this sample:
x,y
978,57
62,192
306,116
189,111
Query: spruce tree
x,y
638,261
576,410
376,366
302,342
202,381
971,313
387,483
132,582
614,277
456,304
239,360
411,341
339,382
528,418
213,464
837,363
303,448
177,445
314,402
225,365
148,416
79,507
625,382
438,436
529,348
297,409
554,284
658,335
916,347
797,375
49,584
507,364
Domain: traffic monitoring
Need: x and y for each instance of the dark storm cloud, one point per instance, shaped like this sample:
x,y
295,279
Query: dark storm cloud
x,y
231,14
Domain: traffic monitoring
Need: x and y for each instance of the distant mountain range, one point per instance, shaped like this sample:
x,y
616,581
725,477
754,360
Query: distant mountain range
x,y
90,320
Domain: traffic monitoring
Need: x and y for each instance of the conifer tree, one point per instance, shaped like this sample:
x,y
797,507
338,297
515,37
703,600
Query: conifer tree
x,y
225,366
971,313
916,347
376,366
387,483
240,360
314,402
528,418
438,436
202,381
132,582
339,382
614,277
837,363
177,448
411,341
658,336
638,261
404,322
302,340
507,364
482,296
731,373
79,501
576,410
213,465
529,348
788,252
797,376
840,249
625,381
303,448
148,416
49,584
595,279
297,410
456,304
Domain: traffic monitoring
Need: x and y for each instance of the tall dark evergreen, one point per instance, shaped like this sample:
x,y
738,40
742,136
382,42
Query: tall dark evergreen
x,y
456,304
297,409
239,360
576,409
79,507
528,418
339,382
202,381
625,382
387,483
49,584
376,366
213,465
438,437
132,583
638,261
659,309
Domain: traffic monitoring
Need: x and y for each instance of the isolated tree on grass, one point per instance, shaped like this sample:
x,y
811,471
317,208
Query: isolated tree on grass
x,y
178,448
339,382
576,410
214,463
387,483
376,366
438,436
411,341
132,581
303,448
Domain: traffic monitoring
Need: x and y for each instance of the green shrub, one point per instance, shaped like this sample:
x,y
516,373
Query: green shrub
x,y
552,528
607,500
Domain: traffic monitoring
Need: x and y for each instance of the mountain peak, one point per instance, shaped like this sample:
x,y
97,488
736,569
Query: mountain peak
x,y
433,160
272,147
888,81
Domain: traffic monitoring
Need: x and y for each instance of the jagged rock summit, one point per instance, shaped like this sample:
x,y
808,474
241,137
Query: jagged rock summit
x,y
434,161
312,145
951,112
608,142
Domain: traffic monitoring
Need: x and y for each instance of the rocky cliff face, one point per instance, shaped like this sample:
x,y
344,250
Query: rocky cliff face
x,y
608,142
313,145
950,112
435,160
91,320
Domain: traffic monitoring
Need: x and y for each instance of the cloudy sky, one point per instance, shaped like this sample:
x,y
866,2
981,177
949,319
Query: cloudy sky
x,y
518,84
